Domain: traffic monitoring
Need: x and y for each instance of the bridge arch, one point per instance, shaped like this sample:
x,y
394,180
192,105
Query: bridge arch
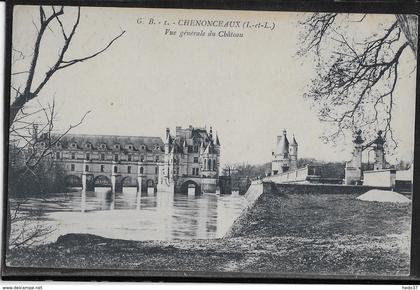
x,y
189,184
102,180
151,183
73,181
129,181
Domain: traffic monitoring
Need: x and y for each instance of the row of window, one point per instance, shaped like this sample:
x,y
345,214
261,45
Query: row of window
x,y
104,146
115,169
210,165
102,157
195,171
176,161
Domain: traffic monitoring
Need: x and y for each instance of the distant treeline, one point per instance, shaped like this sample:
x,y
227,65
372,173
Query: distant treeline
x,y
247,170
24,181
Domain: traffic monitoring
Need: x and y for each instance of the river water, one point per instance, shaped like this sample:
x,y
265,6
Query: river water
x,y
155,216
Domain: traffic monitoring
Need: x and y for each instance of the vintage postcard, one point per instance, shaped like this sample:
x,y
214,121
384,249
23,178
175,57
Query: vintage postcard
x,y
210,142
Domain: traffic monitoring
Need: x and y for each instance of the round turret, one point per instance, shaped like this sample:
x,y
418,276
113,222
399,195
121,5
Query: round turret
x,y
283,144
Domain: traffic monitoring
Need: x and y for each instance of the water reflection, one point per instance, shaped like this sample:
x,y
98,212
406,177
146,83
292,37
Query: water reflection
x,y
151,216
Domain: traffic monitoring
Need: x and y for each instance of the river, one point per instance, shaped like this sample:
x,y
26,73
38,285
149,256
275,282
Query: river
x,y
154,216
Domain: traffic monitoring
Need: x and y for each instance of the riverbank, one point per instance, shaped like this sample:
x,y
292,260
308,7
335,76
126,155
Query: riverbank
x,y
281,233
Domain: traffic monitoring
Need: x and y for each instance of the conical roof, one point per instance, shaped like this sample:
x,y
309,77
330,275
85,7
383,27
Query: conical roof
x,y
283,144
294,143
217,140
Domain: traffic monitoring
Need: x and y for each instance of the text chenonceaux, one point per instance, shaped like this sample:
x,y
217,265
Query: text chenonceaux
x,y
210,23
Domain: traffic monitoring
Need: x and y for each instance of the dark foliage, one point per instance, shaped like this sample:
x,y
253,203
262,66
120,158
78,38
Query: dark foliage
x,y
246,170
47,177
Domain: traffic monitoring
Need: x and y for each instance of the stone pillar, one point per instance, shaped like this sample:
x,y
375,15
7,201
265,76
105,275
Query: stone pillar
x,y
113,182
83,201
84,187
84,181
379,152
140,176
138,200
139,181
353,172
113,189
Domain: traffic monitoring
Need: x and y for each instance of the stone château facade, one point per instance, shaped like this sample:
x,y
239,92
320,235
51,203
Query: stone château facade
x,y
106,160
192,159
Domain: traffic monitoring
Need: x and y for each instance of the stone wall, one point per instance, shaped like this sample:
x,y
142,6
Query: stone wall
x,y
255,190
225,184
384,177
286,188
209,185
297,175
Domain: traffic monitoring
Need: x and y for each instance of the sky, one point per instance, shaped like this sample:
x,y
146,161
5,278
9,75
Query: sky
x,y
248,89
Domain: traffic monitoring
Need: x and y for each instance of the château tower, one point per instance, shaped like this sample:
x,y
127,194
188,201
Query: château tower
x,y
285,156
192,158
293,152
380,162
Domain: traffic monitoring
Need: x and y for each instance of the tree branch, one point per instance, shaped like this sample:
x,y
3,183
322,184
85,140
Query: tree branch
x,y
29,93
348,91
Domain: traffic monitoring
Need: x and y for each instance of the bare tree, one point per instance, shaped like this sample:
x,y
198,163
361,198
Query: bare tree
x,y
30,90
28,153
28,229
32,144
229,169
242,170
32,168
356,74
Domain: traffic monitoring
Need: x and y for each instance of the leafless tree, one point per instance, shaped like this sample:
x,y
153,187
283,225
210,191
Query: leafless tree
x,y
27,152
30,90
32,143
28,229
356,74
32,168
229,169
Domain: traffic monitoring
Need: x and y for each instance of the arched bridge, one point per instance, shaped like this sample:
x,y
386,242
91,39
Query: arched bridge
x,y
116,182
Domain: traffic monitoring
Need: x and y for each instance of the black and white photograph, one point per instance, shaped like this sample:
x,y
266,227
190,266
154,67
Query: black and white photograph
x,y
197,142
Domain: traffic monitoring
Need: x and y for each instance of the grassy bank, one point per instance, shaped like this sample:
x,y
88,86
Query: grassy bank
x,y
282,233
